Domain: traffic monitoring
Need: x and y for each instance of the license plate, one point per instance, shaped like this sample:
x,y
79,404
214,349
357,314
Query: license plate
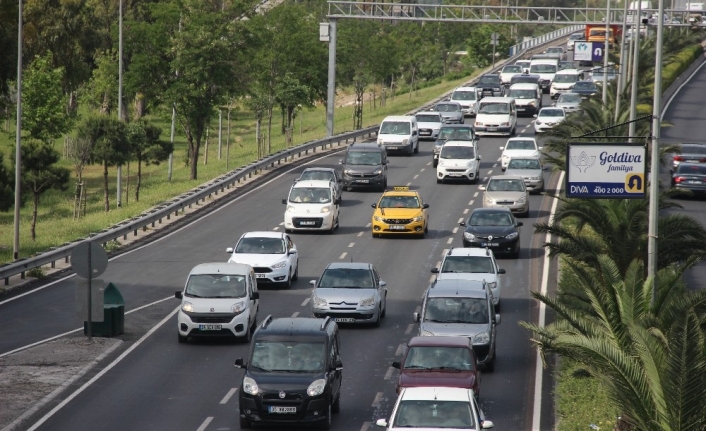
x,y
210,327
694,182
520,109
307,223
362,181
392,148
274,409
397,227
344,319
455,175
425,133
492,129
490,244
260,276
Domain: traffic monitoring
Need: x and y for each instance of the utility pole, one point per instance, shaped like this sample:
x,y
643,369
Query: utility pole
x,y
331,94
171,155
637,23
606,50
119,201
620,87
18,141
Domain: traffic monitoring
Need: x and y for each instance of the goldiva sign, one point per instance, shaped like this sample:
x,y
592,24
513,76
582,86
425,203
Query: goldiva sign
x,y
606,171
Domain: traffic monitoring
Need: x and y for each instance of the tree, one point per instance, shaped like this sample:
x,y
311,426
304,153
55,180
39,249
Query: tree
x,y
7,186
40,174
146,147
101,92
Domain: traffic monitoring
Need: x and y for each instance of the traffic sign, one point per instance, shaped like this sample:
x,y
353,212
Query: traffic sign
x,y
598,170
494,37
89,255
597,50
583,50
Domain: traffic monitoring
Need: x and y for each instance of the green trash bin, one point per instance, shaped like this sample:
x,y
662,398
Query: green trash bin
x,y
113,315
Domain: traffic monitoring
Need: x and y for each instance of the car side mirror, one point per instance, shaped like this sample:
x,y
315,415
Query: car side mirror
x,y
425,206
535,116
487,425
539,148
239,363
255,295
463,223
396,365
479,156
497,319
414,133
338,365
292,251
435,270
340,162
381,423
519,223
416,316
481,188
374,205
178,294
229,250
312,282
383,283
284,201
501,271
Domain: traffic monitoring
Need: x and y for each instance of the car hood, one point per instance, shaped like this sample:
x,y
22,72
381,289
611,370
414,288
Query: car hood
x,y
287,382
550,120
505,196
520,153
392,138
473,276
454,329
524,173
491,230
432,378
253,259
362,169
349,296
451,114
212,305
456,163
567,105
428,125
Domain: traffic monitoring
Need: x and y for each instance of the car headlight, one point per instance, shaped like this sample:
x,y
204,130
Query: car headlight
x,y
482,338
405,141
441,163
532,103
325,210
367,302
316,387
505,156
522,199
238,307
489,201
377,218
187,307
250,386
478,123
505,124
319,302
377,171
418,218
512,236
535,178
281,264
492,285
469,236
290,207
538,122
348,172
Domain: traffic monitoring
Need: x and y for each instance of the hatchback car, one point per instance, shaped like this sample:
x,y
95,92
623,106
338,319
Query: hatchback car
x,y
518,147
473,264
429,124
585,88
691,177
452,132
439,362
400,211
494,228
688,153
433,409
272,255
569,102
508,72
324,174
530,169
350,292
547,118
506,191
450,112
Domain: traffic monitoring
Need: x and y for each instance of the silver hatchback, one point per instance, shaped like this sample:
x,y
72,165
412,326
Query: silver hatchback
x,y
350,293
530,169
506,191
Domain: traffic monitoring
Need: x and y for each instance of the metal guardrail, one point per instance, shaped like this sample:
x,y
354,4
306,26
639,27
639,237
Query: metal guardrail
x,y
540,40
220,184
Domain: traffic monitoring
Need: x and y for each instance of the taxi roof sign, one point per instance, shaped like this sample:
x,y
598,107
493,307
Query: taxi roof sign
x,y
401,188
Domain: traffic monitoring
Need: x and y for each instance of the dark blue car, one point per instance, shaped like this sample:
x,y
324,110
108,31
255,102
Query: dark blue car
x,y
585,89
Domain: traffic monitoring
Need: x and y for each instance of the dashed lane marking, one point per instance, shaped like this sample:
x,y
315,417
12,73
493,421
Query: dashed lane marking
x,y
295,314
351,245
343,255
471,202
389,372
429,163
475,195
415,177
495,165
275,228
368,225
490,172
409,184
281,224
205,423
409,329
366,426
465,210
306,301
378,398
455,230
422,170
501,148
360,233
400,350
228,396
460,220
449,241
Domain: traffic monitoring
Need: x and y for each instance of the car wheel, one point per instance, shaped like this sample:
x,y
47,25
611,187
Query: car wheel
x,y
182,338
416,149
376,323
435,163
426,229
326,424
288,284
336,407
247,338
245,424
296,273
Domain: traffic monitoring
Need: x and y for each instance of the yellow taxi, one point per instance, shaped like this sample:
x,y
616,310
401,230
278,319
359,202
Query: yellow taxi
x,y
400,211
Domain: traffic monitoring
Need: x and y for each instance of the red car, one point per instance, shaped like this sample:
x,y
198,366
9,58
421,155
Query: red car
x,y
439,361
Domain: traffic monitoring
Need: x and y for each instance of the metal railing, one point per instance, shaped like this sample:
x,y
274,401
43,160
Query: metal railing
x,y
543,39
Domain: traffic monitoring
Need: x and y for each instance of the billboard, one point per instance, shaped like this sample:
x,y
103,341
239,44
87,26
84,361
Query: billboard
x,y
588,51
606,171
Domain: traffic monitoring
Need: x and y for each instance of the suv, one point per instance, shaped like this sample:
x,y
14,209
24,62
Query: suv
x,y
439,361
219,299
472,264
452,132
458,160
350,293
461,308
311,205
365,165
293,374
489,85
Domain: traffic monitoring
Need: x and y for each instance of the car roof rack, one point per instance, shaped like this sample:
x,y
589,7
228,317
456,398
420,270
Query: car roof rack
x,y
266,322
326,321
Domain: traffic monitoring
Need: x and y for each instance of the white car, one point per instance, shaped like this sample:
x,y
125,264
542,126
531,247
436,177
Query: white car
x,y
429,124
458,160
467,97
435,408
508,72
219,299
519,147
548,118
311,205
272,255
469,263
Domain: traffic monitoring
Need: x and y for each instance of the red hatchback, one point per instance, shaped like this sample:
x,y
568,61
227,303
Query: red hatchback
x,y
439,361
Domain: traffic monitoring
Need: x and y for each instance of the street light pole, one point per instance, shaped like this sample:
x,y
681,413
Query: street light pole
x,y
620,87
119,201
331,94
637,22
18,141
606,50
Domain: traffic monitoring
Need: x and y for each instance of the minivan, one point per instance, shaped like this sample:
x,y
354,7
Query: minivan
x,y
292,374
528,98
365,165
545,68
564,81
458,160
399,133
496,116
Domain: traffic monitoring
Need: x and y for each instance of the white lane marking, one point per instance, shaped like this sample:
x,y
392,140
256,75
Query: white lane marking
x,y
378,398
103,371
495,165
388,374
295,314
343,255
351,245
409,329
475,195
455,230
205,423
490,172
360,233
275,228
429,163
281,224
415,177
449,241
228,396
460,220
366,426
484,179
368,225
422,170
306,301
465,210
537,407
408,184
431,279
400,350
470,202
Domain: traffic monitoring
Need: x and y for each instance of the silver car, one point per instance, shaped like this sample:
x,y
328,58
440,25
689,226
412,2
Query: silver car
x,y
450,112
571,102
429,124
506,191
530,169
350,292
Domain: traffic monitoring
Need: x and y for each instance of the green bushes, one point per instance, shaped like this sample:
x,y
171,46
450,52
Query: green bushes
x,y
679,63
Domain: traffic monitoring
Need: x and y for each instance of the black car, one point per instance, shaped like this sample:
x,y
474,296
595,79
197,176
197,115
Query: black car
x,y
489,85
585,89
452,132
365,165
525,78
494,228
293,374
691,177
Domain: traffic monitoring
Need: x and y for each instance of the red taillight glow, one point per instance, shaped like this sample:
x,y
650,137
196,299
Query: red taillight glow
x,y
679,179
678,158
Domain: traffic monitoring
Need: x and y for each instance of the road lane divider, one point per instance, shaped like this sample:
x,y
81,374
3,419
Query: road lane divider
x,y
455,230
360,233
351,245
306,301
377,400
409,329
343,255
475,195
465,211
229,395
205,424
400,350
388,374
366,426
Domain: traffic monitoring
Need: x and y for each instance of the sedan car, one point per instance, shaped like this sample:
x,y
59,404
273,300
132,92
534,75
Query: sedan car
x,y
350,292
324,174
530,169
450,112
691,177
429,124
569,102
689,153
489,85
506,191
585,88
518,147
558,50
573,37
494,228
272,255
548,118
508,72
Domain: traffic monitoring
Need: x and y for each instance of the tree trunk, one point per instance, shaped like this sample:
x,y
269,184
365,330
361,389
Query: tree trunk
x,y
285,122
105,186
140,106
269,131
33,231
127,184
194,142
139,179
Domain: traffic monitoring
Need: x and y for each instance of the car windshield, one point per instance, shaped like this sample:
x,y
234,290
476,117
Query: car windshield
x,y
215,286
519,79
494,108
532,164
395,128
551,113
428,118
513,68
543,68
456,134
693,149
346,278
576,36
463,95
399,202
691,169
255,245
447,107
456,310
584,85
569,98
472,264
434,414
363,158
457,152
502,185
523,94
489,79
425,357
491,219
288,356
523,63
310,195
317,176
566,65
520,145
565,78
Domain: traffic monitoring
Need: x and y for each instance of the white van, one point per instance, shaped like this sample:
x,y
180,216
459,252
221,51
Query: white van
x,y
311,205
564,81
545,68
528,98
496,116
458,160
466,97
399,133
219,299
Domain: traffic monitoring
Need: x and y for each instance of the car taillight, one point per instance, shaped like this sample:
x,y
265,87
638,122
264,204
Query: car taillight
x,y
678,158
679,179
